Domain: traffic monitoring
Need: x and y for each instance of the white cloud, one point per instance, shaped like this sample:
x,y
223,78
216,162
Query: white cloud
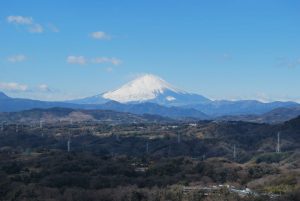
x,y
17,58
28,22
20,20
76,60
13,86
100,35
112,60
36,28
53,28
41,90
44,88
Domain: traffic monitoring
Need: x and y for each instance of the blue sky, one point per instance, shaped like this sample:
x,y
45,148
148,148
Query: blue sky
x,y
56,50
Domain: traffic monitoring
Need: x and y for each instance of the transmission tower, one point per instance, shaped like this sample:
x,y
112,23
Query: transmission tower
x,y
41,124
69,143
278,143
234,152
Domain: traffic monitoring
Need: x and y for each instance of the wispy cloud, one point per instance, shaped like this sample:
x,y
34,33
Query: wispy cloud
x,y
36,28
44,88
20,20
17,58
288,63
39,92
109,69
20,88
53,28
111,60
81,60
76,60
28,22
259,96
13,86
100,35
226,56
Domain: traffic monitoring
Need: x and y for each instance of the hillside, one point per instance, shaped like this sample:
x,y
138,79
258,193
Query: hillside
x,y
53,115
278,115
194,161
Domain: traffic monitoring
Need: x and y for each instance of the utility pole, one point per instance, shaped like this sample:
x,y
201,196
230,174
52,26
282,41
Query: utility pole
x,y
234,152
278,143
69,143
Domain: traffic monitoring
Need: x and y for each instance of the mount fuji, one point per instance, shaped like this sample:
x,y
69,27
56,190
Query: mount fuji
x,y
147,88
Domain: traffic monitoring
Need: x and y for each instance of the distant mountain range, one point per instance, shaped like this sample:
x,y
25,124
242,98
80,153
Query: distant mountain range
x,y
150,94
274,116
8,104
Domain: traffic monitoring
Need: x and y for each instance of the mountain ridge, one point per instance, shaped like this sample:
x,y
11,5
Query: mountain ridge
x,y
19,104
273,114
150,94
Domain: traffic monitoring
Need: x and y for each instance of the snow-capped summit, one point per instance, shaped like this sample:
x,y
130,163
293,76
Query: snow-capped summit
x,y
147,88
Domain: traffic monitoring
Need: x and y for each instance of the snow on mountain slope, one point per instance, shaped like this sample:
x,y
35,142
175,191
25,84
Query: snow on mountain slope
x,y
144,88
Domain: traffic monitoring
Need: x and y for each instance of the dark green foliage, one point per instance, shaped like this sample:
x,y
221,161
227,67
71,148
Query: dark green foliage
x,y
271,157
